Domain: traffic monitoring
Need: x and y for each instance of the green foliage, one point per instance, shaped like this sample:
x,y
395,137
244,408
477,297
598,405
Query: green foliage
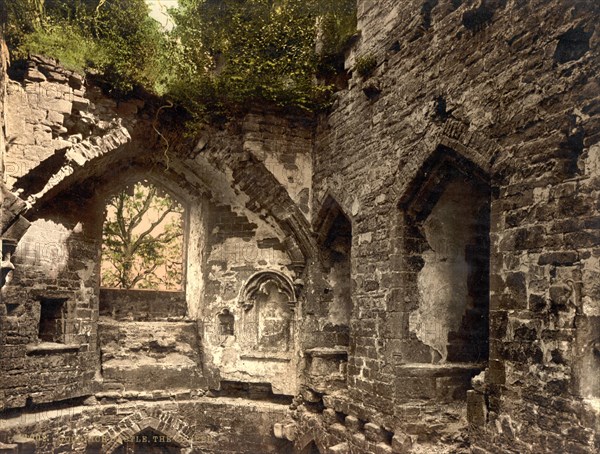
x,y
115,38
58,40
337,26
142,240
132,40
235,53
221,58
365,65
231,54
20,17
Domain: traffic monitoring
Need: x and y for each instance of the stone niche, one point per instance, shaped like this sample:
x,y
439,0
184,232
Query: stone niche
x,y
327,360
449,219
255,341
453,282
447,245
338,245
267,320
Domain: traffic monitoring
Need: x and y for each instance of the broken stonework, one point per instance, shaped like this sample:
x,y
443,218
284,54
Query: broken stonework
x,y
415,270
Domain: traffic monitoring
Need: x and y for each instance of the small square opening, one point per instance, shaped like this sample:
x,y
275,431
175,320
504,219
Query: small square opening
x,y
53,320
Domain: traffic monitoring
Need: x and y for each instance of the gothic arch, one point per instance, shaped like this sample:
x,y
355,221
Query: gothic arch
x,y
329,211
164,423
446,253
222,168
466,145
254,283
426,186
333,229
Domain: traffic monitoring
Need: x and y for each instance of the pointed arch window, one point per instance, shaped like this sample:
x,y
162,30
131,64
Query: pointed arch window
x,y
143,239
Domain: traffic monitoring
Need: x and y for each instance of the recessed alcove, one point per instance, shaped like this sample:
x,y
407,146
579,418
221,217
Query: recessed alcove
x,y
334,234
447,249
446,245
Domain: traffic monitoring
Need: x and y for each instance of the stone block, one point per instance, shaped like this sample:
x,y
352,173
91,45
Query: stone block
x,y
60,106
75,81
80,103
382,448
375,433
338,430
353,423
340,448
401,443
278,430
476,408
329,416
26,445
359,440
290,431
565,258
517,285
55,117
559,296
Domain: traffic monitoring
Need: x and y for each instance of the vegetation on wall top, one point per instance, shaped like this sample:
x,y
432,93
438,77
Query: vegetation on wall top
x,y
221,57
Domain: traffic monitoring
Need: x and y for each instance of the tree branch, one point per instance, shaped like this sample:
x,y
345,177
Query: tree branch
x,y
153,226
140,214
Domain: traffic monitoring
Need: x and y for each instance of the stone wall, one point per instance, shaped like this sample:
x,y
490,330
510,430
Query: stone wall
x,y
418,267
195,425
71,149
139,305
516,99
3,81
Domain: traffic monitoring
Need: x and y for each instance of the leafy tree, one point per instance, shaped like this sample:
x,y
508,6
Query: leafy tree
x,y
234,53
142,240
134,42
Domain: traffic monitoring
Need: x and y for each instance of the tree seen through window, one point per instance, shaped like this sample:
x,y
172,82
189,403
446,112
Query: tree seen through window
x,y
142,240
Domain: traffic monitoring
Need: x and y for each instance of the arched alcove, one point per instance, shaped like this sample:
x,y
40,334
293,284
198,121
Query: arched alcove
x,y
268,300
330,312
162,433
446,243
149,441
335,239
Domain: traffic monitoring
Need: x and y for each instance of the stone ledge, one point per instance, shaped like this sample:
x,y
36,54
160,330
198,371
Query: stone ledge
x,y
267,356
48,348
437,370
327,352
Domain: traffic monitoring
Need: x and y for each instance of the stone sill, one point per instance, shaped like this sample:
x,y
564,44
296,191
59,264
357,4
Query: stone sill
x,y
327,352
48,348
142,291
266,356
104,320
328,378
427,369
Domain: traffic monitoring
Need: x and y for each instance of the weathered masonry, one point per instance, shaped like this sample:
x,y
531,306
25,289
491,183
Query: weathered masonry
x,y
416,271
